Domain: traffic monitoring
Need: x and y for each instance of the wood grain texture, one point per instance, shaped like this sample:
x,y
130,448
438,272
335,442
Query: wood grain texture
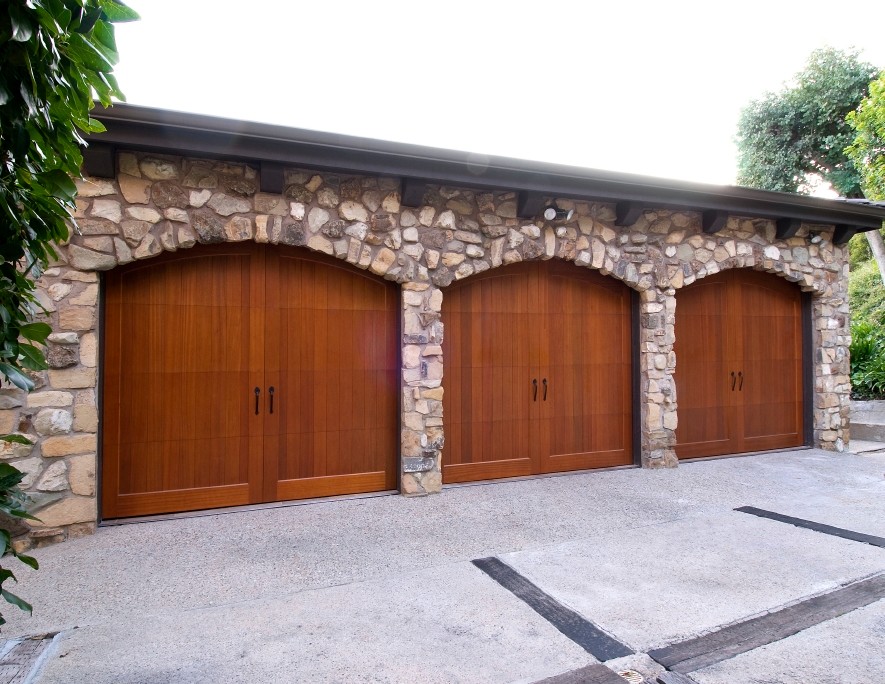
x,y
189,337
538,368
738,365
700,652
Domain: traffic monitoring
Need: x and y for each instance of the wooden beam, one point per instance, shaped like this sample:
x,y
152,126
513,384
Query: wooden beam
x,y
843,233
271,178
627,213
713,221
529,204
787,228
413,191
100,161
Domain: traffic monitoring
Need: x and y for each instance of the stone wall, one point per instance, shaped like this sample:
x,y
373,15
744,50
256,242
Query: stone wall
x,y
164,203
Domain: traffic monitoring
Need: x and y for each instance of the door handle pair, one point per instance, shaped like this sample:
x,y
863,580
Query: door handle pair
x,y
535,389
270,391
739,378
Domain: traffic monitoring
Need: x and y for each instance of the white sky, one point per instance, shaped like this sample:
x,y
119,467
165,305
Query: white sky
x,y
642,87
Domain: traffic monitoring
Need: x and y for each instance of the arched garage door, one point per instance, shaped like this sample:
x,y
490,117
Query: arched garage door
x,y
242,374
739,364
537,372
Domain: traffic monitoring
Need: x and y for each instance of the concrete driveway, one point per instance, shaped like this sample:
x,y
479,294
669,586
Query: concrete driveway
x,y
515,581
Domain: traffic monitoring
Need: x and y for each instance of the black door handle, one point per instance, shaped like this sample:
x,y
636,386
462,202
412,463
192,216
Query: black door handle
x,y
732,381
257,394
545,389
741,383
270,391
534,389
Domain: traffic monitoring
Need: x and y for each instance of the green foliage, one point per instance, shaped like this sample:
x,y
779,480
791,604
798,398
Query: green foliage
x,y
12,503
57,59
868,148
789,139
866,295
57,56
867,361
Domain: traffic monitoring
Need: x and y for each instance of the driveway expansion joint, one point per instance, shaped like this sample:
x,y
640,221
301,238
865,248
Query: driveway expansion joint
x,y
576,627
815,526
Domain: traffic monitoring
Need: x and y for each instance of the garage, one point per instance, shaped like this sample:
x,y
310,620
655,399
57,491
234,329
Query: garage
x,y
739,364
242,373
538,372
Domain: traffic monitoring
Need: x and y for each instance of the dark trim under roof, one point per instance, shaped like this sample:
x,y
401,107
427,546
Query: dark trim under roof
x,y
271,147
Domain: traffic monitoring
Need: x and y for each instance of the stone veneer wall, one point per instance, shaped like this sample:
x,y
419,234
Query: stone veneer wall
x,y
159,203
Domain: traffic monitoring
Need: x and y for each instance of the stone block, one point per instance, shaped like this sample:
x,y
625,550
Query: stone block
x,y
61,356
68,511
85,418
87,260
72,378
52,421
53,447
54,478
81,474
51,398
77,318
134,190
88,350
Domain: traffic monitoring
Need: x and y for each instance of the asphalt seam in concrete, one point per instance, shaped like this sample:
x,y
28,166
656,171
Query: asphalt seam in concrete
x,y
700,652
576,627
815,526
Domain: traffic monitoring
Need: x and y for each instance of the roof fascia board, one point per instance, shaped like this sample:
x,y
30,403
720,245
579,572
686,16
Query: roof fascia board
x,y
188,134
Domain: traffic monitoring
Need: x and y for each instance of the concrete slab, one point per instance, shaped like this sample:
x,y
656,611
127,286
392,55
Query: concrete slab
x,y
448,624
846,650
667,582
860,446
362,587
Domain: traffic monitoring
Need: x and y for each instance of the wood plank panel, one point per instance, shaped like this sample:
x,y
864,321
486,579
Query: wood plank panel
x,y
738,364
516,331
176,376
491,348
707,421
770,385
337,388
587,410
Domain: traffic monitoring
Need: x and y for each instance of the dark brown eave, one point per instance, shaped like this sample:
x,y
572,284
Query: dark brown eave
x,y
270,148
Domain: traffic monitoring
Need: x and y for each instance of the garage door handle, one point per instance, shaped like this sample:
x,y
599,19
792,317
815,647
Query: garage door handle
x,y
732,381
741,383
545,389
534,389
270,391
257,394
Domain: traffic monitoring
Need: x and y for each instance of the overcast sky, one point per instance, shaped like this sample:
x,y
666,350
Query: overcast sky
x,y
643,87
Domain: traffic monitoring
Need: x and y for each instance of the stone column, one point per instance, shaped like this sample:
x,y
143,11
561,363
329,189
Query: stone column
x,y
422,431
657,363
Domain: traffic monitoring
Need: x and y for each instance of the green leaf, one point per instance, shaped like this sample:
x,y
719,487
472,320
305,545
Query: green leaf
x,y
89,19
16,377
36,332
10,475
31,357
59,184
16,601
117,12
15,439
30,561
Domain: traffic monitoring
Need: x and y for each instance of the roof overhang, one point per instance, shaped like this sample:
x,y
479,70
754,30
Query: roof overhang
x,y
271,148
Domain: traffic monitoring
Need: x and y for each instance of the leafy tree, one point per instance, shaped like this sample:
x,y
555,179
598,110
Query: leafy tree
x,y
791,140
57,58
868,149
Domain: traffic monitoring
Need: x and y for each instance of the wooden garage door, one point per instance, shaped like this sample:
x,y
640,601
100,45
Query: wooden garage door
x,y
738,365
243,374
537,372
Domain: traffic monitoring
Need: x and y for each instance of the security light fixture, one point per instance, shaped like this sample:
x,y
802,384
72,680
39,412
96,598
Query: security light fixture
x,y
554,214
